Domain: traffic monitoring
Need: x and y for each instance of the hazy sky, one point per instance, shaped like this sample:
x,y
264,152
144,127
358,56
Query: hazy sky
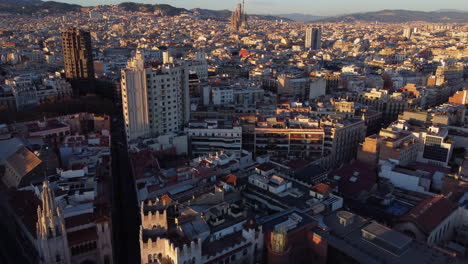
x,y
316,7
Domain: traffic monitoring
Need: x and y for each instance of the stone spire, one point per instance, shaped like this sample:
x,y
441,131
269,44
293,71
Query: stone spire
x,y
50,228
244,24
239,18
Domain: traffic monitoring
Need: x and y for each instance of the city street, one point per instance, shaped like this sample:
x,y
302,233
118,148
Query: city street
x,y
125,217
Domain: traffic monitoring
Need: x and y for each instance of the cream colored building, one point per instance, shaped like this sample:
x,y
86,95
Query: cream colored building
x,y
155,101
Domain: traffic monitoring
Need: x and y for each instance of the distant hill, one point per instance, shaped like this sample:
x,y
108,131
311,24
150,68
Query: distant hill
x,y
386,16
166,10
451,10
20,2
28,7
214,14
270,17
169,10
301,17
397,16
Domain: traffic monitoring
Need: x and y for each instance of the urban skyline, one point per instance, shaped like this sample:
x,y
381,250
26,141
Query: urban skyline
x,y
319,8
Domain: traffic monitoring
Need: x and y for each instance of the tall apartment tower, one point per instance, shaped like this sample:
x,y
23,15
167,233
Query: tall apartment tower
x,y
407,32
313,38
239,18
51,232
155,101
78,59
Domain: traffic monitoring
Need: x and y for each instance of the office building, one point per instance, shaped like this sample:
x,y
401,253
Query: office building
x,y
342,138
313,38
212,135
407,32
78,59
437,146
300,137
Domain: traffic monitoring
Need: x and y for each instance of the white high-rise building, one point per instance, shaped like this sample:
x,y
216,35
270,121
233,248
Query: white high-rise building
x,y
155,101
407,32
135,98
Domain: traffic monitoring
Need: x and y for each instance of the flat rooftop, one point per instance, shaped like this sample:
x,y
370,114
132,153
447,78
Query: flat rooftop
x,y
269,223
370,242
387,235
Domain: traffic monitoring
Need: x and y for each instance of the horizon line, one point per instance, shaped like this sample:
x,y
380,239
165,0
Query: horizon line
x,y
276,14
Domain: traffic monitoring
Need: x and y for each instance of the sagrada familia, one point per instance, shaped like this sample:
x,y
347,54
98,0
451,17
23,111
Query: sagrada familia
x,y
239,18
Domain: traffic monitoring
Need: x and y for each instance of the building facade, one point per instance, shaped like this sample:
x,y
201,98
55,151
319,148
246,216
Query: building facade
x,y
155,101
78,58
313,38
214,135
281,140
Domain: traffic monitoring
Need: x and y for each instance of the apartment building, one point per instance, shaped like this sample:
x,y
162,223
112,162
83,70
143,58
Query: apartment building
x,y
212,135
155,101
300,137
296,86
391,105
342,138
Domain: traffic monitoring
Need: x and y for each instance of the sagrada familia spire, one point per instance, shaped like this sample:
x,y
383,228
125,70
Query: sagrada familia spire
x,y
239,18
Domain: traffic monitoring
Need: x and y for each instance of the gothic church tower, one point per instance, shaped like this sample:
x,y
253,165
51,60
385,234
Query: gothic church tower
x,y
50,227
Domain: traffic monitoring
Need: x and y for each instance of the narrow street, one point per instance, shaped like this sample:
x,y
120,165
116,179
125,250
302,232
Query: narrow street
x,y
125,215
